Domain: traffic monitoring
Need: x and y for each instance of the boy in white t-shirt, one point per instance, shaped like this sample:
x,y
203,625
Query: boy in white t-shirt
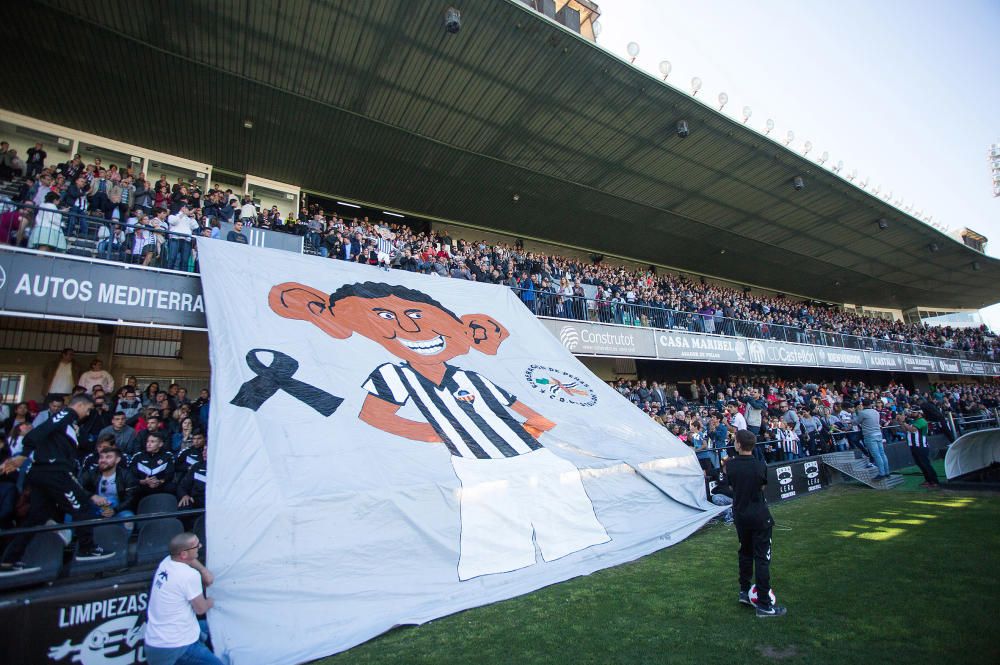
x,y
173,634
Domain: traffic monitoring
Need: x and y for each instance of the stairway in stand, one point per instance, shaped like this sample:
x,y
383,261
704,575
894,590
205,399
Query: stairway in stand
x,y
857,467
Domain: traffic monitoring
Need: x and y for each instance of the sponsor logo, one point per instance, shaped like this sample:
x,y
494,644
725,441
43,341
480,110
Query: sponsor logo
x,y
811,470
702,347
787,495
918,364
841,358
560,386
569,337
610,339
114,642
784,354
882,361
3,277
784,474
949,366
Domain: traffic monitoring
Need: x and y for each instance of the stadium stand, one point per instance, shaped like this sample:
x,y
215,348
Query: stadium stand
x,y
89,218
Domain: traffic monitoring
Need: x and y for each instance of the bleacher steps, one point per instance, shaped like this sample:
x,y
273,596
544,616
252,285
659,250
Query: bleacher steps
x,y
857,467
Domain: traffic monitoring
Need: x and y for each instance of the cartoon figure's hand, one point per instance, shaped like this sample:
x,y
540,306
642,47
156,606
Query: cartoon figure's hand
x,y
540,424
533,431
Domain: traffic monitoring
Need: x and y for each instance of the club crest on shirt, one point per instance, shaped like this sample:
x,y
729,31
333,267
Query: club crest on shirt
x,y
463,395
560,386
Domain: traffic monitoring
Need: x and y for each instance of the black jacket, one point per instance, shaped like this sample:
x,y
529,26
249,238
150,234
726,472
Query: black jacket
x,y
125,482
193,484
747,477
54,444
161,465
186,459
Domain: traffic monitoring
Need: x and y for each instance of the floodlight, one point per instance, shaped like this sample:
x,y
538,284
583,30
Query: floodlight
x,y
665,68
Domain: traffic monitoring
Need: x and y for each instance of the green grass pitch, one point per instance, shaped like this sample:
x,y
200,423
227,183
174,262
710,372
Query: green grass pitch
x,y
904,576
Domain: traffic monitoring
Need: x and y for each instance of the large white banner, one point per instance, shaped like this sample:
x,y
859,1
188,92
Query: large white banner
x,y
388,448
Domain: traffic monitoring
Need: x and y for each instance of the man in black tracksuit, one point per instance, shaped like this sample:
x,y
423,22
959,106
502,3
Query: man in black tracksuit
x,y
191,489
747,476
153,468
55,490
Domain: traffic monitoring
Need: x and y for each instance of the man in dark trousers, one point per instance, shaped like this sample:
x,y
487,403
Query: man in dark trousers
x,y
55,490
747,476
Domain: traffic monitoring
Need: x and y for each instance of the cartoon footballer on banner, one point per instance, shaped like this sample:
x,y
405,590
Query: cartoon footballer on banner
x,y
514,492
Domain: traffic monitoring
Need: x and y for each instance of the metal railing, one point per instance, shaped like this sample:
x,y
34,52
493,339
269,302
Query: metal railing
x,y
617,311
145,242
140,240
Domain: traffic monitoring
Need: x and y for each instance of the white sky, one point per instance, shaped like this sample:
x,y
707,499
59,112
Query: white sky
x,y
906,92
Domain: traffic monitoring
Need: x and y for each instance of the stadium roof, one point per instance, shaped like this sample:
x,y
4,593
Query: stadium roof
x,y
374,101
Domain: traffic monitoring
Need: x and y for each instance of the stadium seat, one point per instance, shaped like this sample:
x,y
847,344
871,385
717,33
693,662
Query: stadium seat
x,y
157,503
154,539
45,551
113,538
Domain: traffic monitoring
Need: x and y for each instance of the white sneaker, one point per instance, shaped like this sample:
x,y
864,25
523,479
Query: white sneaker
x,y
19,568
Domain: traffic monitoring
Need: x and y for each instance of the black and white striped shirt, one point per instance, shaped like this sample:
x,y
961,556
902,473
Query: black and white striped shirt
x,y
788,440
468,411
917,439
385,246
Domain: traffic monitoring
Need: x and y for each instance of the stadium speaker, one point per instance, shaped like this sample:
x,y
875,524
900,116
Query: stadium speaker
x,y
883,224
682,129
976,266
798,183
452,20
933,247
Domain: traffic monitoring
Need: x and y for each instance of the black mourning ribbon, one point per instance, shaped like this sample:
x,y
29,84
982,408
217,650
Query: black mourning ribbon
x,y
278,376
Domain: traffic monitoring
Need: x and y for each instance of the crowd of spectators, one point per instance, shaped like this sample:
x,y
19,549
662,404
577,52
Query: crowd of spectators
x,y
552,285
793,419
134,443
159,223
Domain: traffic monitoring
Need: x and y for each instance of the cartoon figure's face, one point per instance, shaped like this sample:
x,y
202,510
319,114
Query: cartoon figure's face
x,y
420,333
413,331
